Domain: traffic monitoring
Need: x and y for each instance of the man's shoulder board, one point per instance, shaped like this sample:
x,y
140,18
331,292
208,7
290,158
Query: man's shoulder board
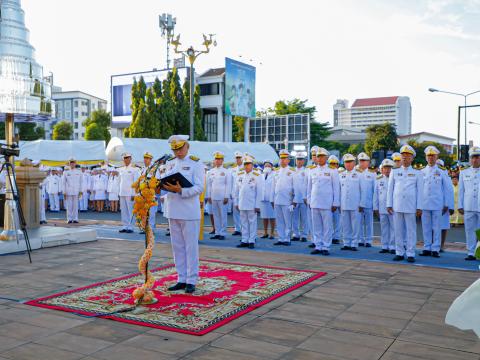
x,y
194,158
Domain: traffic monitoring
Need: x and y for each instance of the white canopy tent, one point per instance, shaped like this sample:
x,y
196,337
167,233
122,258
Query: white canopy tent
x,y
204,150
57,152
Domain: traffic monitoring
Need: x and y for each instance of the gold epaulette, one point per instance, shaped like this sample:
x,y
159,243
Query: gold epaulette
x,y
194,158
340,170
292,168
256,173
379,177
442,167
313,166
359,170
276,169
241,172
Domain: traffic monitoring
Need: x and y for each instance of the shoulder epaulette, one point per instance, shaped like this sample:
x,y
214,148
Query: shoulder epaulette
x,y
172,158
359,170
292,168
256,173
340,170
276,169
379,177
313,166
194,158
241,172
442,167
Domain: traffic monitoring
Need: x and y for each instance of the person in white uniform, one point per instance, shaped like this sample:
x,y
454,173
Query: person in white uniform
x,y
42,194
113,190
248,191
183,211
72,189
300,215
266,209
313,152
219,188
445,222
397,160
100,184
469,200
436,189
334,163
405,202
367,182
234,171
387,232
282,198
323,195
350,197
128,174
147,162
53,190
83,202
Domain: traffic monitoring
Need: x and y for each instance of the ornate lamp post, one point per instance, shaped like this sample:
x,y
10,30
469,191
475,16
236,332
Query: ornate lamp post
x,y
192,55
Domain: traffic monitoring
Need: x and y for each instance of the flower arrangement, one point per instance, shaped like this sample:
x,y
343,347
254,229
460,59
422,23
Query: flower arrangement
x,y
145,188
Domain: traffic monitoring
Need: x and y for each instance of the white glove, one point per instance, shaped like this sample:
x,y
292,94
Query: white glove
x,y
291,208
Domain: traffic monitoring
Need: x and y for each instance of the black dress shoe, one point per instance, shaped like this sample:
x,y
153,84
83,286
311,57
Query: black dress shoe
x,y
264,236
368,245
361,244
177,286
287,243
142,232
214,237
278,243
325,253
167,234
411,259
425,253
189,289
242,245
470,258
122,231
129,231
353,248
399,258
384,251
251,246
303,239
295,238
211,232
69,222
221,237
435,254
311,246
392,252
345,248
335,241
236,233
316,252
271,237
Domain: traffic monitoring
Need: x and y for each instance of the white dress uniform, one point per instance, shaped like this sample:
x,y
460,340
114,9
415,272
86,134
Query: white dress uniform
x,y
100,184
219,187
323,192
350,197
183,212
42,193
405,192
128,175
445,221
282,198
113,187
72,187
468,200
266,208
236,214
300,212
83,202
367,183
248,191
53,188
386,220
436,187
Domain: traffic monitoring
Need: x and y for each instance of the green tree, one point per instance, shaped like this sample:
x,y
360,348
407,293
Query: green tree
x,y
381,137
295,106
137,126
167,108
319,132
238,128
182,111
94,132
25,131
355,149
420,157
63,130
103,120
199,133
152,123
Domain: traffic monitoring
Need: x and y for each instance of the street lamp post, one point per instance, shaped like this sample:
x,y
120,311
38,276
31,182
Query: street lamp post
x,y
465,107
473,123
192,55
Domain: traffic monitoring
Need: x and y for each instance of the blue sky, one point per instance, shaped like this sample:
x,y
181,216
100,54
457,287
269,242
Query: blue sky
x,y
316,50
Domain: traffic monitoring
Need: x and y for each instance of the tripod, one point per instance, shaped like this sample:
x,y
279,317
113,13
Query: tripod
x,y
16,197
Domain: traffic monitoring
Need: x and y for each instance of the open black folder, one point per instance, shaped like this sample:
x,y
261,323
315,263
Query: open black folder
x,y
172,179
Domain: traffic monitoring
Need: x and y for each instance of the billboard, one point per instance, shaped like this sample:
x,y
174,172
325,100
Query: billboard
x,y
239,89
121,91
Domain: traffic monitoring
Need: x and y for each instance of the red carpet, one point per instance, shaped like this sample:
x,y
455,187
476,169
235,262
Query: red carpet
x,y
225,292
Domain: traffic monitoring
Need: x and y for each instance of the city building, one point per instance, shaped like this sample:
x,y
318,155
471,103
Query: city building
x,y
75,107
373,111
290,132
445,141
347,135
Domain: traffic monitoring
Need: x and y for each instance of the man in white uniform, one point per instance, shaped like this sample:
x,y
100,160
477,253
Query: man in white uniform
x,y
53,190
367,183
405,202
219,188
282,198
334,163
234,171
83,205
72,189
380,208
397,160
128,174
436,187
183,211
300,212
248,196
469,200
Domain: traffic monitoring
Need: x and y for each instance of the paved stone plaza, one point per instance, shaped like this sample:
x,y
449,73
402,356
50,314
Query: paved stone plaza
x,y
360,310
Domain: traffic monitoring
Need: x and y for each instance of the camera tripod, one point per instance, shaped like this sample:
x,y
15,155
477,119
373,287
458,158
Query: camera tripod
x,y
20,223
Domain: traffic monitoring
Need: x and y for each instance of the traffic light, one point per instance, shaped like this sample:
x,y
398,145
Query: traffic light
x,y
464,153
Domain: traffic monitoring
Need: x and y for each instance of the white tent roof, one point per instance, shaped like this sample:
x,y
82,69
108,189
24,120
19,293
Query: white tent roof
x,y
61,150
204,150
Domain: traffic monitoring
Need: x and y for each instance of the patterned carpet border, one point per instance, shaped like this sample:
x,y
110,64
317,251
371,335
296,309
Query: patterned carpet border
x,y
203,329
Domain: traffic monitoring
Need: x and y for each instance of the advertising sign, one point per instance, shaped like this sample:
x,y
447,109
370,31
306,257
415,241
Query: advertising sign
x,y
239,89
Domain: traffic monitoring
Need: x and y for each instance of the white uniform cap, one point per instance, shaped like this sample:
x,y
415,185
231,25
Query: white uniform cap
x,y
300,155
440,162
283,154
238,154
363,156
431,150
322,151
126,154
387,162
348,157
474,151
314,149
177,141
71,158
396,156
408,149
247,160
218,155
332,159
